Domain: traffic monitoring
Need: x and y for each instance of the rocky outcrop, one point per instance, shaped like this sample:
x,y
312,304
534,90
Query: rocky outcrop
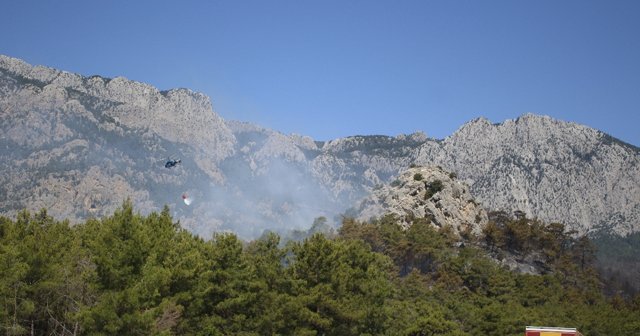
x,y
427,192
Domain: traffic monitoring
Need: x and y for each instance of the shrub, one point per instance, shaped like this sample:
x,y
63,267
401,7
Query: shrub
x,y
432,188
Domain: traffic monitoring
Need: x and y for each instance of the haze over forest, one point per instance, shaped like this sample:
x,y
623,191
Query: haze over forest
x,y
345,168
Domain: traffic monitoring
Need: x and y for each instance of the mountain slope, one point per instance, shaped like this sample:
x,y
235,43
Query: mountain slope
x,y
553,170
546,168
80,145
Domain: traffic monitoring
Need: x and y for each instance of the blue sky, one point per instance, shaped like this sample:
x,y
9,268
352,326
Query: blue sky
x,y
330,69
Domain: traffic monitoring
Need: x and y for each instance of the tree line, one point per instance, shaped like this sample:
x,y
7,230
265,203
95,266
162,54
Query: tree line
x,y
131,274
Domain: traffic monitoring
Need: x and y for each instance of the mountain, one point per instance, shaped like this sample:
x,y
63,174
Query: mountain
x,y
81,145
545,168
550,169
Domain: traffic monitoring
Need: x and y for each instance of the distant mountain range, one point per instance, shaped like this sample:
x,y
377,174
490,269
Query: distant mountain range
x,y
79,146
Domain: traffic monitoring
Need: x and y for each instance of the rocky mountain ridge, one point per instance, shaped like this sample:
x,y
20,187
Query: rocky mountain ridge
x,y
553,170
178,115
546,168
80,145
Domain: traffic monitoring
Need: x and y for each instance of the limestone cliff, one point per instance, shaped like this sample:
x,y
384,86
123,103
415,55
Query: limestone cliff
x,y
550,169
35,94
80,145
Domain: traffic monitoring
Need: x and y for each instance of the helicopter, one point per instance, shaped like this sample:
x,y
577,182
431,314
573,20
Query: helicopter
x,y
172,163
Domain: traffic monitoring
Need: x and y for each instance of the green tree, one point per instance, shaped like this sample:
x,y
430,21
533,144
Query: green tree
x,y
46,275
344,285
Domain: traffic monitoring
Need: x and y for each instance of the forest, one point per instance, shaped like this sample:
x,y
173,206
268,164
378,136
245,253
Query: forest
x,y
133,274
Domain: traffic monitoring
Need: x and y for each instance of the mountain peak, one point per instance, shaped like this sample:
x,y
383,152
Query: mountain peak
x,y
178,115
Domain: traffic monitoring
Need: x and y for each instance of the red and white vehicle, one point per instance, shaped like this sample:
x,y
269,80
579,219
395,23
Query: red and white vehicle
x,y
551,331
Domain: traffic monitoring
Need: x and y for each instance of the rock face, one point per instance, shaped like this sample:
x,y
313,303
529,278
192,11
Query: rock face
x,y
553,170
546,168
427,192
179,115
80,145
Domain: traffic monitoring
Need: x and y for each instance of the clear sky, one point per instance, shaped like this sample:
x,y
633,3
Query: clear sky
x,y
330,69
